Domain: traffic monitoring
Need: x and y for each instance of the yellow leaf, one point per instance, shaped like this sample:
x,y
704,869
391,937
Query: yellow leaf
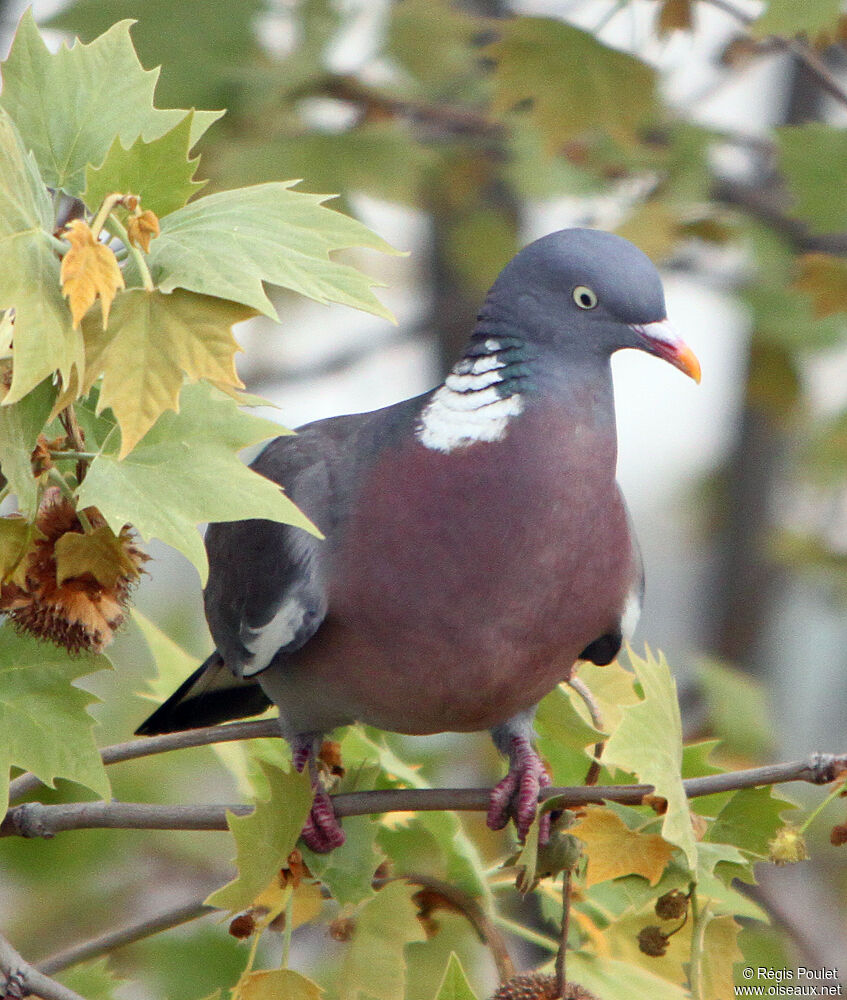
x,y
305,906
155,341
613,849
276,984
101,553
720,952
89,271
824,278
142,228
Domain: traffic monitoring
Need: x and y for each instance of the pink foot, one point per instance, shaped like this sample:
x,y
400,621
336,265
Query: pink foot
x,y
516,796
322,832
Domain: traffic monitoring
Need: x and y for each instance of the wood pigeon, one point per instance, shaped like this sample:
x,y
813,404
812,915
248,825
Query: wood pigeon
x,y
476,542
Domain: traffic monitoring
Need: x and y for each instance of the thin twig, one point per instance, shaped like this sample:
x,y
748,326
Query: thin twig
x,y
150,745
583,690
810,59
33,819
20,979
561,956
112,940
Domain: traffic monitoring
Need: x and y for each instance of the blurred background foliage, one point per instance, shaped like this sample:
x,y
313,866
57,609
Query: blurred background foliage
x,y
709,132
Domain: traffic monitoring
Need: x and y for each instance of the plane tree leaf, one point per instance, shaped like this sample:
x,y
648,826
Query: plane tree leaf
x,y
154,340
648,743
160,171
228,244
20,425
44,339
88,94
455,985
43,717
186,471
567,81
265,838
89,272
613,849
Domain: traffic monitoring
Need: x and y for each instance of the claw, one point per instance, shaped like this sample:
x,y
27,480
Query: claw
x,y
516,796
322,832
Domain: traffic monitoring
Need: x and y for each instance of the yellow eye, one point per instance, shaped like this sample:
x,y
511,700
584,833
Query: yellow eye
x,y
584,297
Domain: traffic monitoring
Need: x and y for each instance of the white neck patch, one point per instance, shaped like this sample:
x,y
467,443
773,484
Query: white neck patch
x,y
468,408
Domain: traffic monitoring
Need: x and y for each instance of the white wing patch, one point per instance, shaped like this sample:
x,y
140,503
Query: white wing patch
x,y
265,642
455,419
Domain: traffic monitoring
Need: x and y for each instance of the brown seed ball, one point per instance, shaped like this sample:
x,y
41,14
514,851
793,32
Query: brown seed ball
x,y
652,941
672,905
535,986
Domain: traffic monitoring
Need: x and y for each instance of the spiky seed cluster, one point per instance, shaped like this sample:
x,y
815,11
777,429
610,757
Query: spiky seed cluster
x,y
788,846
535,986
80,614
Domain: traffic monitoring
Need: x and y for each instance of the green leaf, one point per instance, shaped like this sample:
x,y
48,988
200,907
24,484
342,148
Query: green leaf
x,y
789,18
374,965
749,820
737,710
93,980
43,717
265,837
203,47
563,736
228,244
20,425
186,471
44,339
152,342
348,870
813,158
173,664
455,985
571,82
648,742
615,980
159,172
16,536
276,984
70,105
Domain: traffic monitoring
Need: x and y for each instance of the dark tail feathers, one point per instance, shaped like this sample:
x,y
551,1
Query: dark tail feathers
x,y
212,694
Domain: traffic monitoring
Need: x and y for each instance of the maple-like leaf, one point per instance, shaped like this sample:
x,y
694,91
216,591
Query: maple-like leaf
x,y
154,342
374,965
571,82
158,171
43,717
613,849
16,537
455,985
89,271
44,338
227,244
186,471
87,95
265,838
648,743
100,553
20,425
276,984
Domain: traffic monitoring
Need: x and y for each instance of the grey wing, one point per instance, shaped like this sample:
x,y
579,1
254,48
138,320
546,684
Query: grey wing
x,y
266,593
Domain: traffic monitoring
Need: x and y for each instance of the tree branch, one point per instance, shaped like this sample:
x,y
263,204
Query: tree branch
x,y
112,940
150,745
33,819
20,979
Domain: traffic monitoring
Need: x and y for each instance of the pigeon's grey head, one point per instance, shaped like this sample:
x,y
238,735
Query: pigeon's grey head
x,y
585,294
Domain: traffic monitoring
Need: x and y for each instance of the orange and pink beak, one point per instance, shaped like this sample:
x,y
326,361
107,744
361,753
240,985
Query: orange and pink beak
x,y
661,339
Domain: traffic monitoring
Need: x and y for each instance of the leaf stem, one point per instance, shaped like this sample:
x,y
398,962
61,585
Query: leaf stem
x,y
120,231
838,790
700,921
105,210
547,943
286,936
82,456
